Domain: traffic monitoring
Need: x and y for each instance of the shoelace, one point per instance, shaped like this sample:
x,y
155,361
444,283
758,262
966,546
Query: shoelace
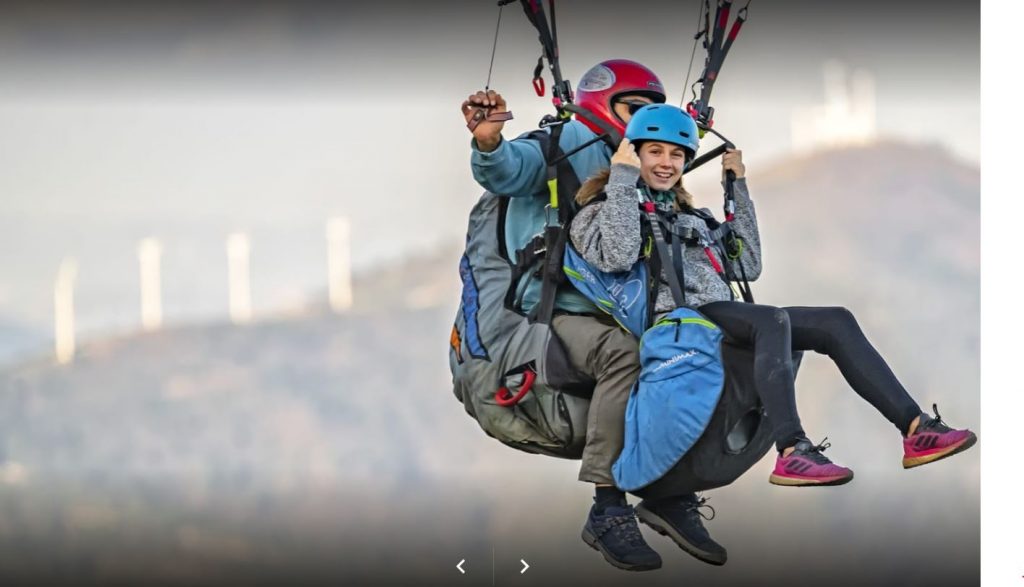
x,y
629,531
688,506
702,502
626,528
814,453
935,424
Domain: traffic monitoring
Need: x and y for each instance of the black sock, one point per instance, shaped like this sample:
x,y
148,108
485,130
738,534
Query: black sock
x,y
608,497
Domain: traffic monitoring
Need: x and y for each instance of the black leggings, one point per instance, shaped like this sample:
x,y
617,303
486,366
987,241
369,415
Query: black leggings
x,y
774,333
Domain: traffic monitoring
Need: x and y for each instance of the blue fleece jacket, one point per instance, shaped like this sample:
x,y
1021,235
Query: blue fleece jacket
x,y
516,169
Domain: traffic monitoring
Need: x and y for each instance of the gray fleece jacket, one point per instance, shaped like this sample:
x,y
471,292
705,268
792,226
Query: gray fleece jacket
x,y
607,235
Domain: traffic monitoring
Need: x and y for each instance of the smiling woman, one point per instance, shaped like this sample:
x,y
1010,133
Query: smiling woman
x,y
610,234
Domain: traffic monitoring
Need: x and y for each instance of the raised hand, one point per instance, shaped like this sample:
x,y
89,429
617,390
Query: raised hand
x,y
626,155
477,108
732,160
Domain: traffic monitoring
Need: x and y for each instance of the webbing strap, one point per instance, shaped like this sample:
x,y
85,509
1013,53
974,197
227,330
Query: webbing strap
x,y
610,135
561,92
664,258
677,262
562,185
526,260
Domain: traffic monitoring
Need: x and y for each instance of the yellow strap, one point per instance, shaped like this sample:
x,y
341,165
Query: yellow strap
x,y
553,188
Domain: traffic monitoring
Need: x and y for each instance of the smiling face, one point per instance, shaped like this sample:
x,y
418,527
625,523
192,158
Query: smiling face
x,y
661,164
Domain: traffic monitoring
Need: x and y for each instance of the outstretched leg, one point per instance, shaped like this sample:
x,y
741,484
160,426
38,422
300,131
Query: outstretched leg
x,y
833,331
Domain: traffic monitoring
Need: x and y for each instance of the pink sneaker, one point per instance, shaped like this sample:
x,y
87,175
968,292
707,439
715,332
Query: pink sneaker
x,y
807,466
934,440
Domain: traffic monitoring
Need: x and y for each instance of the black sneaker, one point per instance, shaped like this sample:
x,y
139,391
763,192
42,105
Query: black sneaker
x,y
616,535
680,519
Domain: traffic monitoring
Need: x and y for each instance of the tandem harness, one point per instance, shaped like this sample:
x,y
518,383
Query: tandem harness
x,y
682,409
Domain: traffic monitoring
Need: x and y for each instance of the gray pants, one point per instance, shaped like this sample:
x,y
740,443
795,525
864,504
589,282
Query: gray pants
x,y
601,349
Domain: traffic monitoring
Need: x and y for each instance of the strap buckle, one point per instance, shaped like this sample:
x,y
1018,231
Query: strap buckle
x,y
551,216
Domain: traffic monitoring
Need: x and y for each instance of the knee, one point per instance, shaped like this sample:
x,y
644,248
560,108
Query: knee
x,y
842,318
620,351
776,320
780,317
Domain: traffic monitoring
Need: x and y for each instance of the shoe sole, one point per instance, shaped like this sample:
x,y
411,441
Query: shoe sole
x,y
593,542
808,482
661,526
911,462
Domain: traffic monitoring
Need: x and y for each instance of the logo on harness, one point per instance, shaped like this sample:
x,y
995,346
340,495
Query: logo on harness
x,y
675,359
627,293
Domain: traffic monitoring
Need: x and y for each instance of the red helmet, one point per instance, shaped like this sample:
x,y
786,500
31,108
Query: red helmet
x,y
609,80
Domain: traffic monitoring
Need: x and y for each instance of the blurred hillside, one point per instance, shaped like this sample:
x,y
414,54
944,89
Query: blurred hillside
x,y
317,447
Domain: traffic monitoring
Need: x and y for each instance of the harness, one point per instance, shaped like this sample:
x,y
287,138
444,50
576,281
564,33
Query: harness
x,y
664,240
718,241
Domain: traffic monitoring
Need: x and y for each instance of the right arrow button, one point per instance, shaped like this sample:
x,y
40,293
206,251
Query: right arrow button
x,y
525,566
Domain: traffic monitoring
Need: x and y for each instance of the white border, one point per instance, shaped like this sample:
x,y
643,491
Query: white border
x,y
1002,294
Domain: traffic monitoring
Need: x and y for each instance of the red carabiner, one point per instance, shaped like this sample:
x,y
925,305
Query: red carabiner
x,y
538,86
504,397
714,261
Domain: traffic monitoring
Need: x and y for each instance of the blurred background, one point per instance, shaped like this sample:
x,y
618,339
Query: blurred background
x,y
229,237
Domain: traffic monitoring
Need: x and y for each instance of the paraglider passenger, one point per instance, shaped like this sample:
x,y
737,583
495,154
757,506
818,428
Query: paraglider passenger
x,y
607,233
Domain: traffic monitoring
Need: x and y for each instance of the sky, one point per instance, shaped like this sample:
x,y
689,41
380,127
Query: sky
x,y
190,121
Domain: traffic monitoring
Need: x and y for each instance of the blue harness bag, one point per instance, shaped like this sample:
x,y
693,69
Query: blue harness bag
x,y
681,377
681,381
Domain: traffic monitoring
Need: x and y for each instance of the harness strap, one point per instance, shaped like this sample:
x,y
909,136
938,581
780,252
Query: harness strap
x,y
653,268
526,260
561,92
661,251
719,238
562,186
610,135
677,262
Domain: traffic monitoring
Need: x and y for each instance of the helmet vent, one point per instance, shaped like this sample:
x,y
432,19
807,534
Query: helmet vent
x,y
654,128
685,135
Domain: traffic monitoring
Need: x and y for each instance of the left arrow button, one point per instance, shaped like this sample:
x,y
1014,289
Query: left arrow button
x,y
459,566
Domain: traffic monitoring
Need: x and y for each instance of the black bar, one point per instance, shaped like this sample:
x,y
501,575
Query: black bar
x,y
709,156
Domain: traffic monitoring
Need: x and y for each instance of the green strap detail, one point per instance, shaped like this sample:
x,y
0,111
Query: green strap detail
x,y
739,249
553,189
673,321
700,321
576,275
572,273
648,247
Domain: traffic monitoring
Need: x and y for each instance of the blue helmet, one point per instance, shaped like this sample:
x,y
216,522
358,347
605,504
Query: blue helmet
x,y
665,123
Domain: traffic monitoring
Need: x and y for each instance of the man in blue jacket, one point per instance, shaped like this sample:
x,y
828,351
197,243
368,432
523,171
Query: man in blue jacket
x,y
597,346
